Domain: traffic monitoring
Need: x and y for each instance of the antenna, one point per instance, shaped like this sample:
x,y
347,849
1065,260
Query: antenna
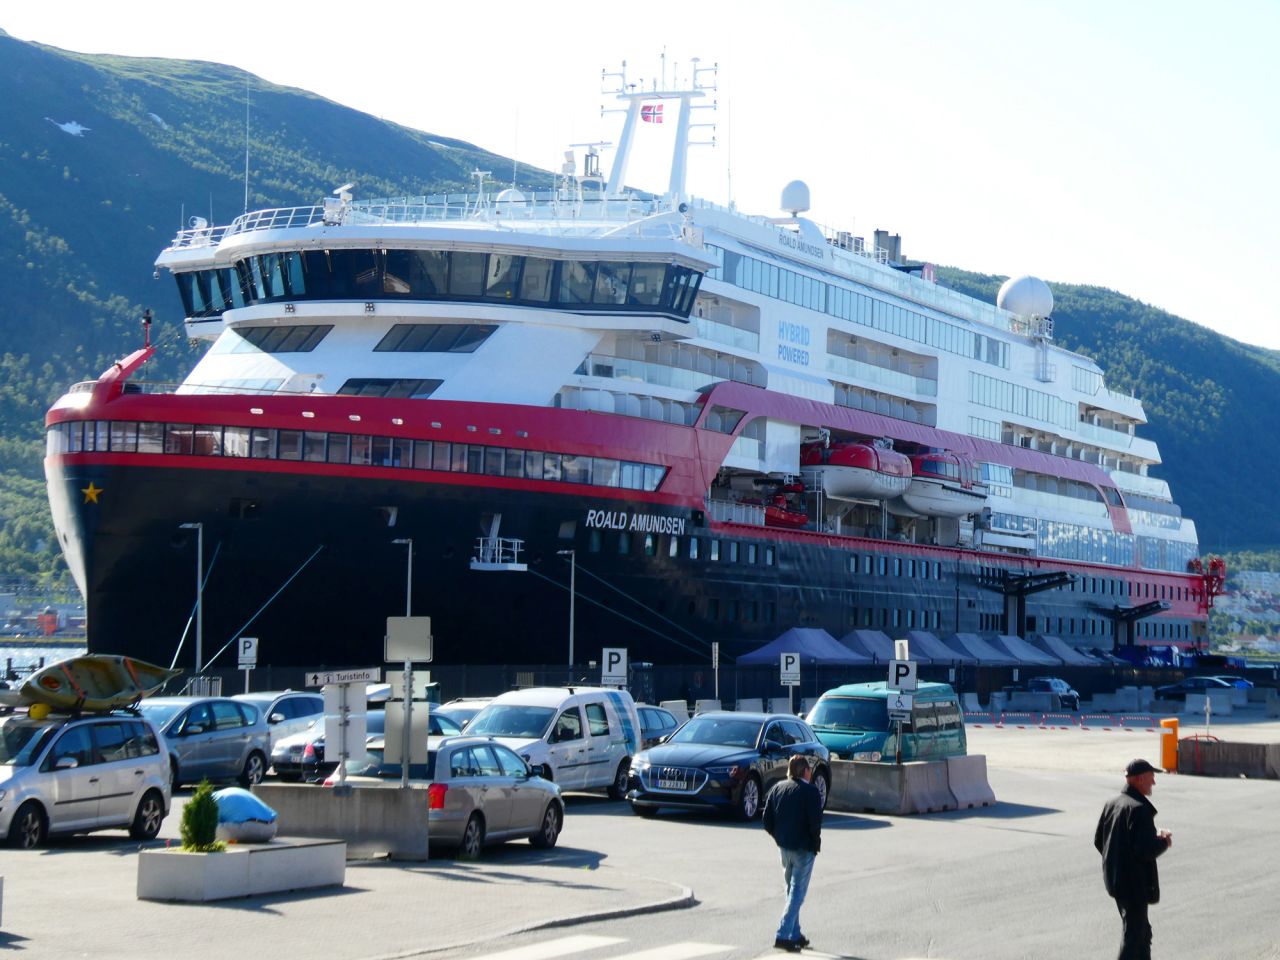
x,y
246,143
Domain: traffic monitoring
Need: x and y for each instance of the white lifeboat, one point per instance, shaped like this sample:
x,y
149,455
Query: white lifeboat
x,y
858,471
943,484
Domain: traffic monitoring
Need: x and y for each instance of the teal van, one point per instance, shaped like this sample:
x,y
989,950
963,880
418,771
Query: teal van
x,y
853,723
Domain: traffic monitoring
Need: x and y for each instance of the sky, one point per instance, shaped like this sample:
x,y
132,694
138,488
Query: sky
x,y
1132,145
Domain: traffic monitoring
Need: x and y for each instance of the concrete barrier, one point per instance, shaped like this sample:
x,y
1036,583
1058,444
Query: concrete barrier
x,y
679,708
1219,704
1219,758
751,705
1037,702
859,786
705,706
967,780
1239,697
243,870
372,820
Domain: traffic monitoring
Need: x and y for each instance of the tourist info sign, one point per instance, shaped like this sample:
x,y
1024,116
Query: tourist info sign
x,y
902,675
324,678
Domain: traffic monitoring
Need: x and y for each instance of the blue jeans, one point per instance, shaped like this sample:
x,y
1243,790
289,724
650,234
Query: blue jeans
x,y
797,867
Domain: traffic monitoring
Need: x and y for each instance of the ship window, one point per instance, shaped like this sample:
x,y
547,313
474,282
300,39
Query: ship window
x,y
713,608
646,284
466,274
474,457
434,338
576,281
604,472
313,446
612,280
124,436
290,442
535,280
262,443
576,469
866,564
624,542
513,463
361,450
103,430
693,548
422,454
853,563
769,556
207,441
551,467
650,545
937,570
150,437
713,554
897,566
503,276
533,464
882,566
177,438
631,476
277,339
911,619
753,553
770,612
733,551
441,456
339,448
493,461
235,441
376,387
653,476
673,547
75,437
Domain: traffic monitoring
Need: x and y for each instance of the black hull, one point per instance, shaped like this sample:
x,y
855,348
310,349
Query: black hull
x,y
307,565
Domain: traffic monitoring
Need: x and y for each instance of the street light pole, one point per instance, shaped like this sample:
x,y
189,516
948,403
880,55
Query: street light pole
x,y
406,743
199,529
573,572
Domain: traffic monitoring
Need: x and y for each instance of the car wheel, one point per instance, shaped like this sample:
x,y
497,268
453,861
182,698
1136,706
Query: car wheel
x,y
643,811
618,789
255,769
549,832
146,822
29,827
749,800
472,839
821,781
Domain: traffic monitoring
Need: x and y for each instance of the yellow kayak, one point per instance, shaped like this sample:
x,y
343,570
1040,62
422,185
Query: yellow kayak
x,y
94,682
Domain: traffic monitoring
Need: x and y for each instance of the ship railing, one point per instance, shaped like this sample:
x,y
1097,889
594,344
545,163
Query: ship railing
x,y
730,511
199,237
498,553
863,372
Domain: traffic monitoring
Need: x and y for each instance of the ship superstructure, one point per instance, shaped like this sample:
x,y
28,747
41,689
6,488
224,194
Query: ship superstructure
x,y
728,424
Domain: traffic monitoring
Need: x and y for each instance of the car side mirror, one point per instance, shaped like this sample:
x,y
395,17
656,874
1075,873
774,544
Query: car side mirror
x,y
771,746
66,763
192,729
538,770
276,718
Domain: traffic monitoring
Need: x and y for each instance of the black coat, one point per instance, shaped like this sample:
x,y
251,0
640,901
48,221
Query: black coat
x,y
793,816
1126,838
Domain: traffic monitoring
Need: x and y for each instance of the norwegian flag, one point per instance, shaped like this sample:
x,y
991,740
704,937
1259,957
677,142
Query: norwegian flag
x,y
651,113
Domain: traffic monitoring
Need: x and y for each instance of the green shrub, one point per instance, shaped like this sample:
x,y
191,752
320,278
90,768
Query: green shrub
x,y
200,821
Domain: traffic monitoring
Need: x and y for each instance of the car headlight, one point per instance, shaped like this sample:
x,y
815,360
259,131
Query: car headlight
x,y
872,755
639,765
725,772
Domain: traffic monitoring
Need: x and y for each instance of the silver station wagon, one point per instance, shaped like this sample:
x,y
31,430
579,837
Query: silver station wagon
x,y
211,737
61,774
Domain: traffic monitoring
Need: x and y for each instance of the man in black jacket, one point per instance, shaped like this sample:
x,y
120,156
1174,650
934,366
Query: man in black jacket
x,y
1129,843
793,817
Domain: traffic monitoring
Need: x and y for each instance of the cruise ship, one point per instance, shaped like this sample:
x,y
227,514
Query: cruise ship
x,y
639,420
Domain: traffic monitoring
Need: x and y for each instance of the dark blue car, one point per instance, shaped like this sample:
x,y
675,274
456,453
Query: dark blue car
x,y
724,761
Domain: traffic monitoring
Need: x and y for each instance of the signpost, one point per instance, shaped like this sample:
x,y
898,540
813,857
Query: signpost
x,y
344,714
902,678
789,672
248,657
715,665
408,639
613,672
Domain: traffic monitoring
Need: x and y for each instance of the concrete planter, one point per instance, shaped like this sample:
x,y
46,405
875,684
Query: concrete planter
x,y
242,870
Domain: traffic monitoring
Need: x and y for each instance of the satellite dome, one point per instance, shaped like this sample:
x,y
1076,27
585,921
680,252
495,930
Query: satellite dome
x,y
1026,297
795,197
511,195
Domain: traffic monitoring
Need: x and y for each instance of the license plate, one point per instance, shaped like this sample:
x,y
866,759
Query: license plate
x,y
673,785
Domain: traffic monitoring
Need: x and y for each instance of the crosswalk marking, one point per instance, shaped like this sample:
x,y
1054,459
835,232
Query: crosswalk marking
x,y
677,951
554,948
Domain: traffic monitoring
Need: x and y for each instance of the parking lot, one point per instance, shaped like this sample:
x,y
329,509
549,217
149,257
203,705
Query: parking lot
x,y
885,888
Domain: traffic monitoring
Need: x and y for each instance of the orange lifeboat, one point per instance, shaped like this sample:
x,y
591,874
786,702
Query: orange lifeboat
x,y
858,471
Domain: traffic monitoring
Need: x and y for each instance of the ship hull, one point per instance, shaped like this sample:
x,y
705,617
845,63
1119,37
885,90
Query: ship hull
x,y
307,564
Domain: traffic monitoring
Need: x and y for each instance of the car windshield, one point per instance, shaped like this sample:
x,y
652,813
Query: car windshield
x,y
728,731
22,739
160,713
850,713
509,720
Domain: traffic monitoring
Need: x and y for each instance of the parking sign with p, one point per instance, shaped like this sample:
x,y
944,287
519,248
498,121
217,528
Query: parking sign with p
x,y
789,669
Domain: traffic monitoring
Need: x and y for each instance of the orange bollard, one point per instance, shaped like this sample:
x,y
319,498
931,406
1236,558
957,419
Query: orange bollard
x,y
1169,744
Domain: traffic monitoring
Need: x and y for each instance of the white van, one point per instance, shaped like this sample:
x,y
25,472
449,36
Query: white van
x,y
584,737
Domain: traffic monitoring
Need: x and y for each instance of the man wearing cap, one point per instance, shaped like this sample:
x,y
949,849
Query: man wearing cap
x,y
1129,843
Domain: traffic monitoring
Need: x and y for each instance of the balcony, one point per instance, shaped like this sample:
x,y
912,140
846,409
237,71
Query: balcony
x,y
869,374
746,340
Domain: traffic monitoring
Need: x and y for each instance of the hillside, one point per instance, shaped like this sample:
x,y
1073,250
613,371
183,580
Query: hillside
x,y
102,158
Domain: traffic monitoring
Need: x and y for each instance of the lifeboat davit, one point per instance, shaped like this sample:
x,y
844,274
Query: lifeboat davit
x,y
943,484
858,471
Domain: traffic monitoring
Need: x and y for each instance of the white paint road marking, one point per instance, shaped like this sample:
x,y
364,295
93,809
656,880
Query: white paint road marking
x,y
551,949
677,951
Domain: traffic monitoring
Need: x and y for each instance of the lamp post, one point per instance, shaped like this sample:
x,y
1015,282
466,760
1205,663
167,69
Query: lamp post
x,y
408,586
573,571
199,529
